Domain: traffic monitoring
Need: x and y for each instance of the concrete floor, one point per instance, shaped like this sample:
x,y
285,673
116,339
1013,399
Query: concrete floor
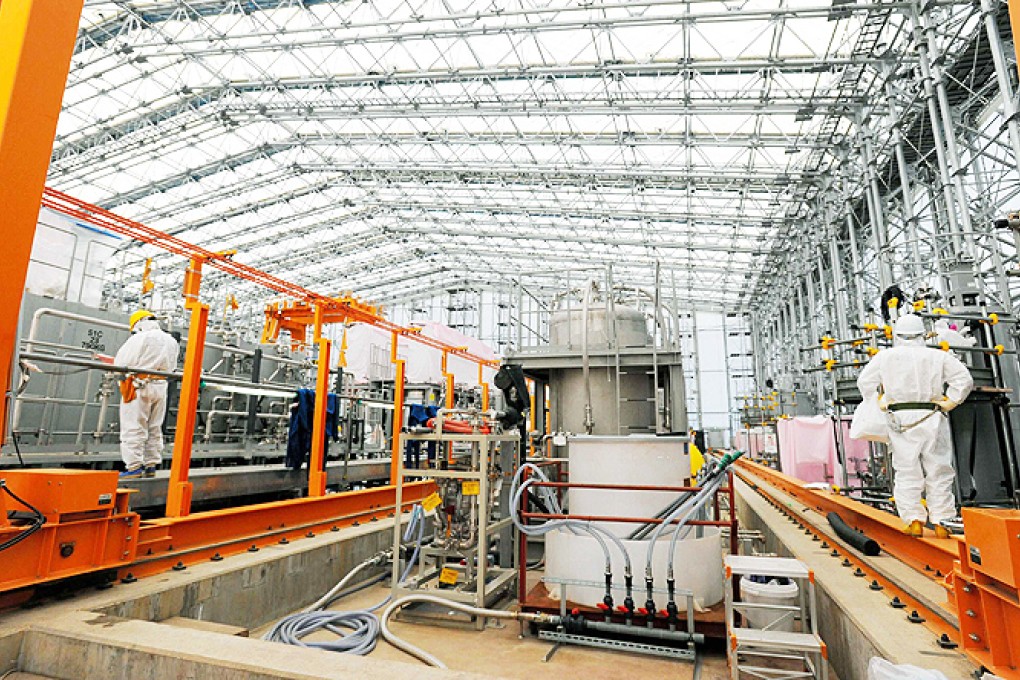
x,y
500,651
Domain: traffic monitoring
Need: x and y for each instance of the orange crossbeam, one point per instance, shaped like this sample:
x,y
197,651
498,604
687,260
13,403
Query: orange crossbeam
x,y
334,309
930,556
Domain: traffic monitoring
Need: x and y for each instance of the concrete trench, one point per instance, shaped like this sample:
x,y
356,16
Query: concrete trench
x,y
128,631
855,622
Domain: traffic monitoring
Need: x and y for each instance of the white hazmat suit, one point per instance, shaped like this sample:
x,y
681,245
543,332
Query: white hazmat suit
x,y
141,420
920,440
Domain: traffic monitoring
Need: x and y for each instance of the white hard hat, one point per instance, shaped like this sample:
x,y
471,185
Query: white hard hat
x,y
909,326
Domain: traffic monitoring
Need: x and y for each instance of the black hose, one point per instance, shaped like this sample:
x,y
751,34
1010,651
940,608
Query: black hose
x,y
37,522
852,536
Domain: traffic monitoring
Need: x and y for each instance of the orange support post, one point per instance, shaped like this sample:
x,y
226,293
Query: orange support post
x,y
36,43
1014,23
485,387
449,402
317,457
178,496
398,410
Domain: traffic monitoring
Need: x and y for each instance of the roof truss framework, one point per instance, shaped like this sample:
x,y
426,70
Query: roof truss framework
x,y
481,141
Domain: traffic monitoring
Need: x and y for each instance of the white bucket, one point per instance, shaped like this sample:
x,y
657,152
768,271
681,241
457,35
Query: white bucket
x,y
769,593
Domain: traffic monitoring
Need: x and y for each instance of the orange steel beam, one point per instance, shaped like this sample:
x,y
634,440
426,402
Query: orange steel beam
x,y
987,589
930,556
297,317
933,620
398,410
178,497
36,44
1014,23
316,459
334,309
180,541
485,388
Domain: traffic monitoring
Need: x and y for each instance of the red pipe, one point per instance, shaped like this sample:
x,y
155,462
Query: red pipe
x,y
636,520
625,487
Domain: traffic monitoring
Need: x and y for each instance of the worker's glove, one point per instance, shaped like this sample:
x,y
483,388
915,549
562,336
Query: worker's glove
x,y
883,403
945,404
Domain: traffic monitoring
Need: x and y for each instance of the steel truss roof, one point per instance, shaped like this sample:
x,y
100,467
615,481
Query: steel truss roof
x,y
389,147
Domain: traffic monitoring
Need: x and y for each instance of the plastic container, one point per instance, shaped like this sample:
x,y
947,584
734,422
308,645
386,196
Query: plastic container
x,y
773,592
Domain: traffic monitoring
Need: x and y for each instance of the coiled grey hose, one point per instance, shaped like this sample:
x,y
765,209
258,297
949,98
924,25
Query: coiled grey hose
x,y
358,630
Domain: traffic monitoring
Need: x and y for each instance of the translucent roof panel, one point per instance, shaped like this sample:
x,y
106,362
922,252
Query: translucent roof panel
x,y
355,145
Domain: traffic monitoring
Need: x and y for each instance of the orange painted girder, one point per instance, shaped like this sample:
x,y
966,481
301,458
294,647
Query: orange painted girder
x,y
162,543
36,44
936,554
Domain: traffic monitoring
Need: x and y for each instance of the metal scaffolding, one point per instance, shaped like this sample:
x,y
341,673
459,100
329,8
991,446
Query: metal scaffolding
x,y
781,160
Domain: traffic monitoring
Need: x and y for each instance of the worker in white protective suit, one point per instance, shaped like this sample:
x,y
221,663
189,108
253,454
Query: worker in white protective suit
x,y
952,336
908,380
143,395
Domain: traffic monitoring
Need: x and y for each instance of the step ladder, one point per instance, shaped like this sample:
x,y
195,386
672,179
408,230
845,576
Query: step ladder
x,y
801,654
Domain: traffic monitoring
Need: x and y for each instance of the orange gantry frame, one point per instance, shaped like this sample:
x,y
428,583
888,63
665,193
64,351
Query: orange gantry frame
x,y
987,589
297,317
36,42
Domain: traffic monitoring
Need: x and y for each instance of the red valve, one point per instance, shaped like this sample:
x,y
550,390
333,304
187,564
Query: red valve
x,y
663,612
575,611
642,611
620,608
603,606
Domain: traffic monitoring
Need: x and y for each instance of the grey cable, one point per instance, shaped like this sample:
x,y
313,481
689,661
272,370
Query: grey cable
x,y
421,654
358,630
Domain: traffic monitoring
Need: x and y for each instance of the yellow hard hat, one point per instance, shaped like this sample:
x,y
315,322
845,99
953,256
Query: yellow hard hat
x,y
138,316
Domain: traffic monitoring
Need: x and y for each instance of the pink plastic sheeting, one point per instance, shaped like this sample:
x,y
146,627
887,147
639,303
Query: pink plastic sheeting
x,y
807,449
754,442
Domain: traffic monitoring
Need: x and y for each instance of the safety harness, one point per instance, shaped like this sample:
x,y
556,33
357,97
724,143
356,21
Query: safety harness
x,y
931,407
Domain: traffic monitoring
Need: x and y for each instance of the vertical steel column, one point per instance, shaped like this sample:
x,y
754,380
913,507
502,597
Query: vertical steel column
x,y
994,247
178,495
928,80
839,287
36,44
858,273
1009,108
907,195
396,455
879,232
956,168
317,456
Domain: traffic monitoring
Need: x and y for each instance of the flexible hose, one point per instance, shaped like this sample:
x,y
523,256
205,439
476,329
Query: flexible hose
x,y
518,489
38,520
420,653
358,630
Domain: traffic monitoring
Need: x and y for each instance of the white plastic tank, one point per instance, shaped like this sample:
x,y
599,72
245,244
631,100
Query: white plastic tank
x,y
639,460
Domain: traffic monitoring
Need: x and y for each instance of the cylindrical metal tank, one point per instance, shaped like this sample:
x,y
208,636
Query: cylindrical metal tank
x,y
566,327
636,408
636,400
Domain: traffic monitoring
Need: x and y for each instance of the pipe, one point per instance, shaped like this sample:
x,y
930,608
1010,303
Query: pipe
x,y
658,633
589,421
421,654
212,415
85,363
856,538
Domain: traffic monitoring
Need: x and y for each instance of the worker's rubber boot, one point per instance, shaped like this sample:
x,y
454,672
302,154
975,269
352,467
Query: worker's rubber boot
x,y
941,531
150,471
915,528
